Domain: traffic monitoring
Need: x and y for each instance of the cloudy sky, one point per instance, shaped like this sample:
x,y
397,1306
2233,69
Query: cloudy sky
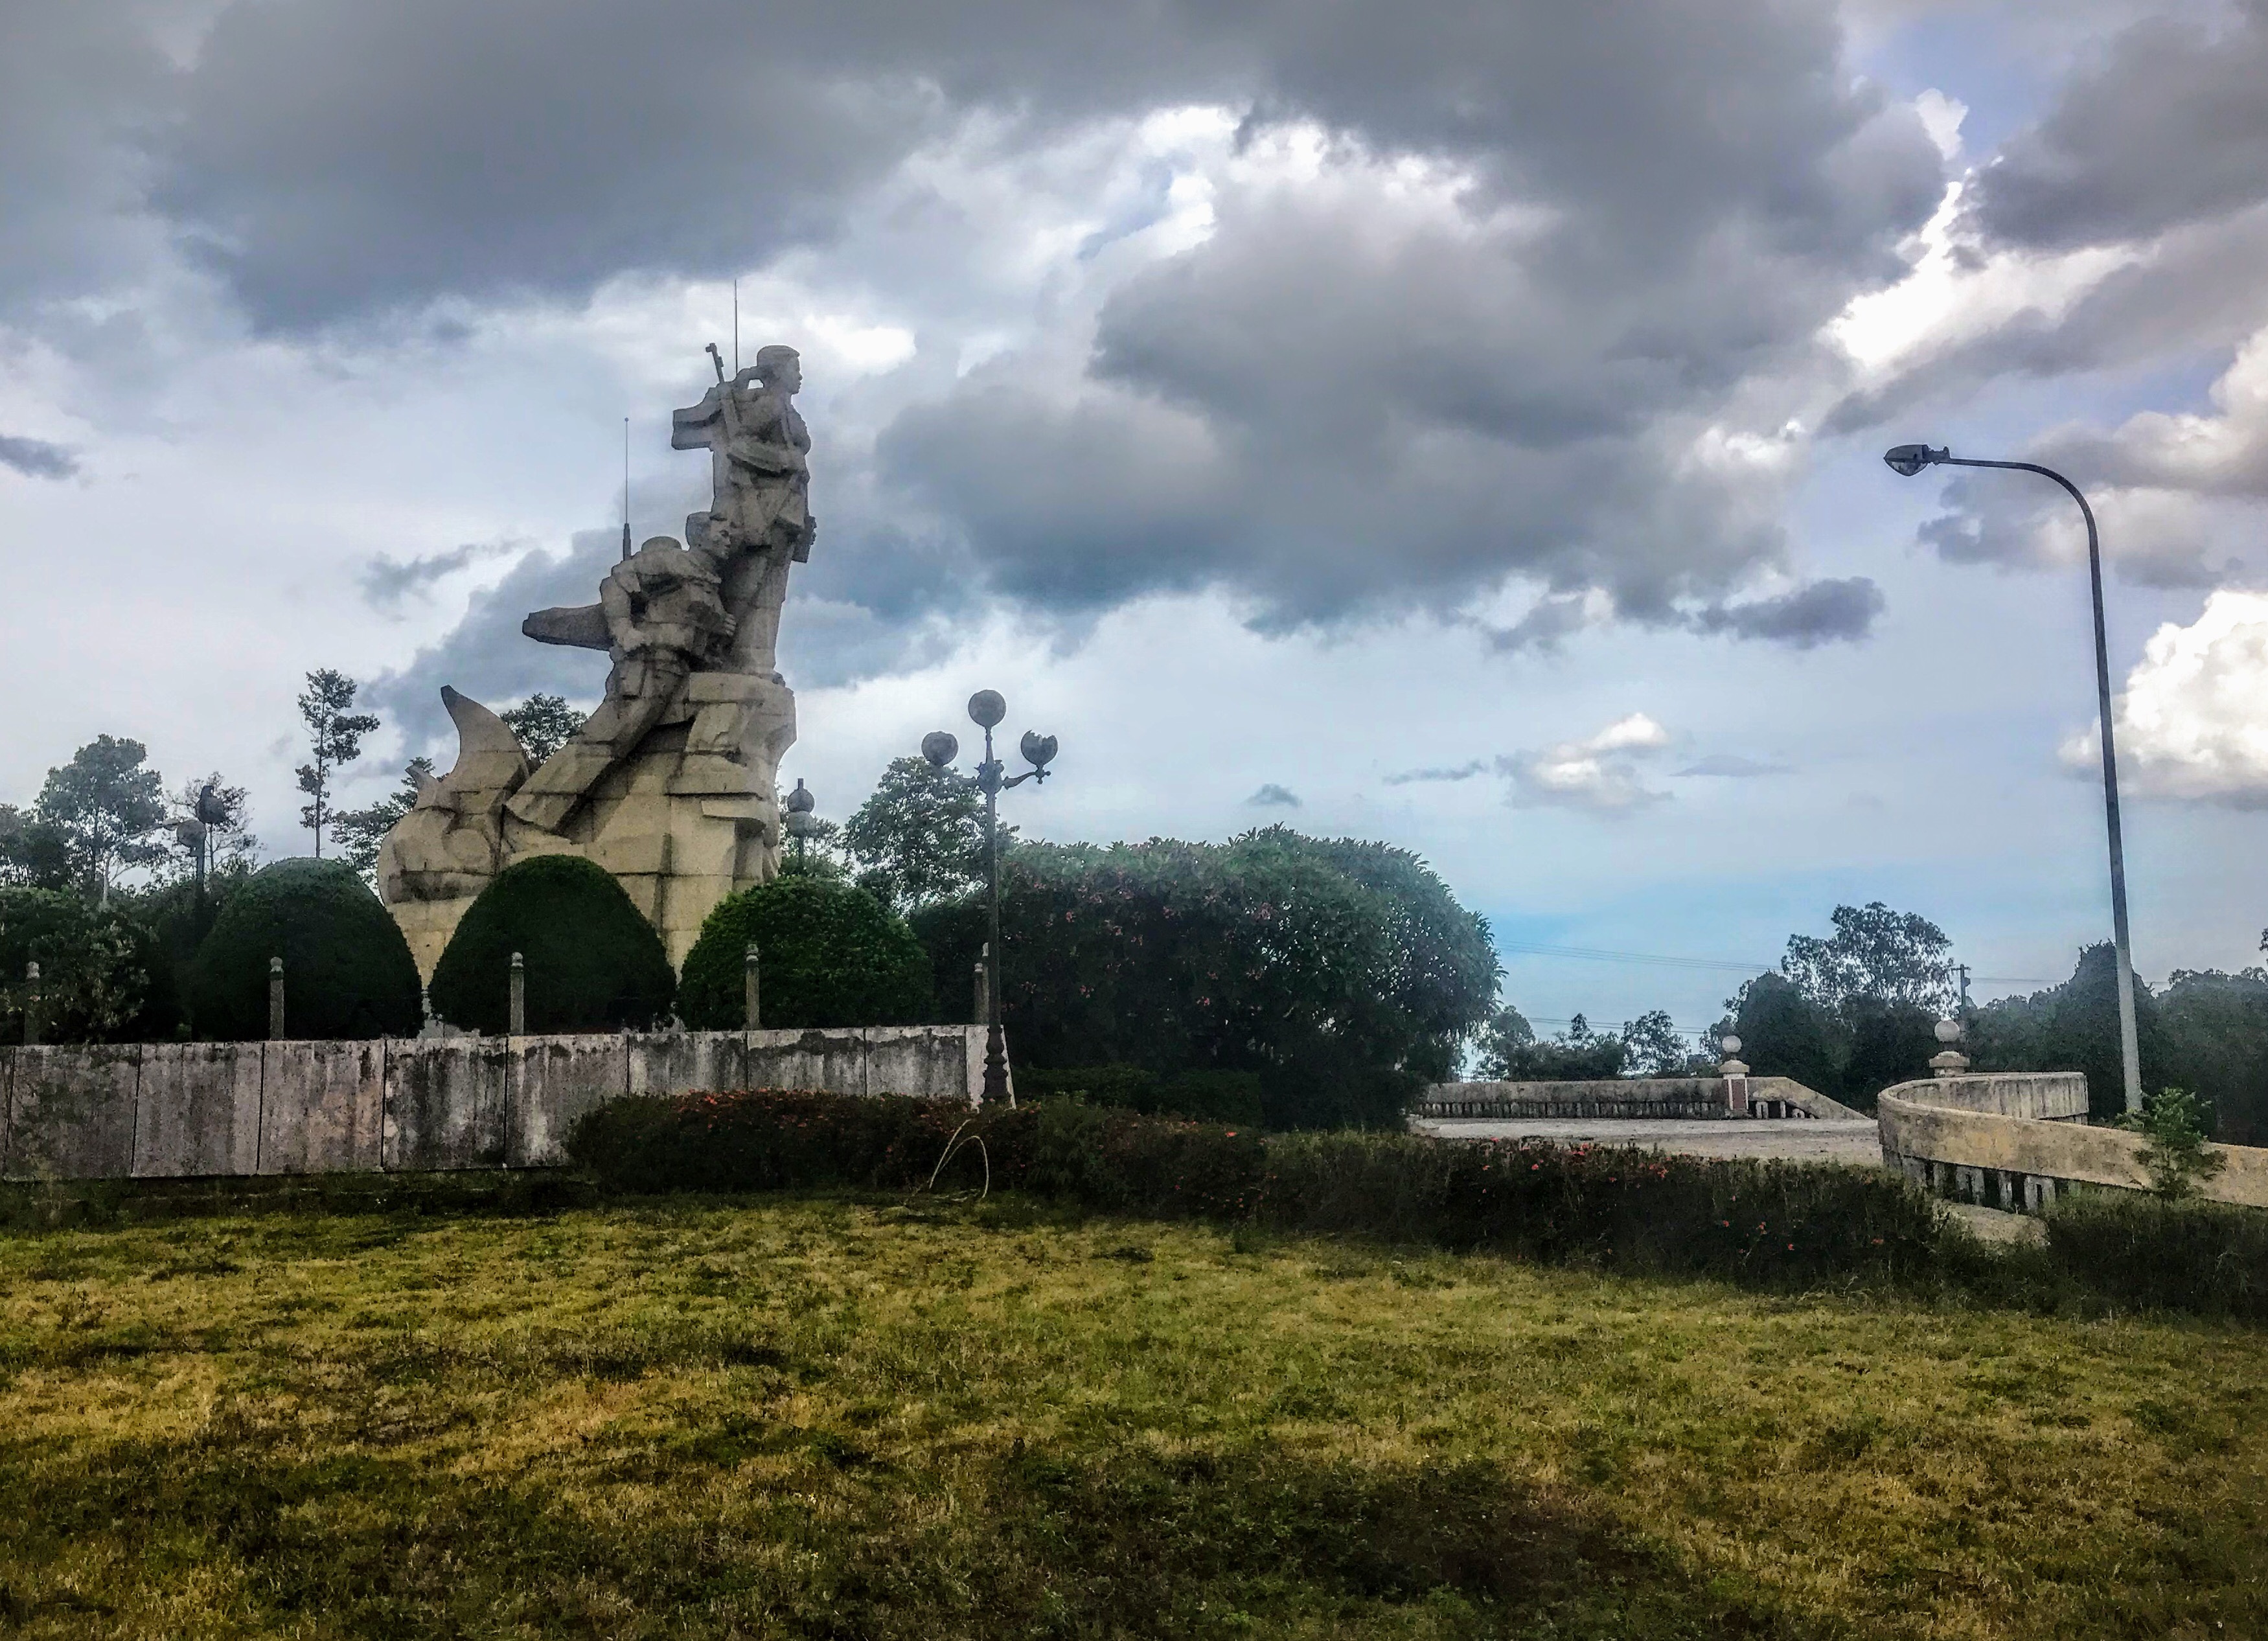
x,y
1455,421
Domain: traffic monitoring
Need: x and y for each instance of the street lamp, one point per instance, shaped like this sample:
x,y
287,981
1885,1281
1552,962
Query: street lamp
x,y
1906,460
801,823
986,709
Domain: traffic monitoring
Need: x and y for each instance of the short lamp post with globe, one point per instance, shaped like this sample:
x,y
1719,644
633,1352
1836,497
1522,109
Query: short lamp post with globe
x,y
801,823
986,709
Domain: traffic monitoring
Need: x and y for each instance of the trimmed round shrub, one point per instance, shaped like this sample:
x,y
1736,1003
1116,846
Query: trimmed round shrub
x,y
830,954
347,970
594,962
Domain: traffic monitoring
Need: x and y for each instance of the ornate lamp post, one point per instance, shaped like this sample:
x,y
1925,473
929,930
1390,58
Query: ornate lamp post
x,y
986,709
1906,460
801,823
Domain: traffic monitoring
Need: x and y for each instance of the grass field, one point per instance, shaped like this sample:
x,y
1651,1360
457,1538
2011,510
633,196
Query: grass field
x,y
838,1417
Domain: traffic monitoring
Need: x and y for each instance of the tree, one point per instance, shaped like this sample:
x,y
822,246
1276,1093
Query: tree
x,y
2074,1027
359,832
543,724
1511,1052
830,954
1784,1033
1656,1048
920,837
100,970
1898,957
2216,1027
347,968
105,807
591,962
32,853
335,736
1344,972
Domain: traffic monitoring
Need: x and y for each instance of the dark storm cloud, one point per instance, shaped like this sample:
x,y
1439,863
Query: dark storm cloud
x,y
1271,796
1989,519
486,656
2170,126
36,459
1817,613
336,158
1342,400
81,88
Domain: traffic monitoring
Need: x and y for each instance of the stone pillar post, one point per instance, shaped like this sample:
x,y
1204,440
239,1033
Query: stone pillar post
x,y
32,1005
274,998
1950,1061
519,1021
751,1000
1735,1075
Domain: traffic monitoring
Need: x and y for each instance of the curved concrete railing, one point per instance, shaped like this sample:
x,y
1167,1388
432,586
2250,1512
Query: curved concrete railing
x,y
1657,1097
2011,1140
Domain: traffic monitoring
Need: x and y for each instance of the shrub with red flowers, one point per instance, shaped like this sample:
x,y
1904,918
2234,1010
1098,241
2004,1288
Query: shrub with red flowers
x,y
1770,1223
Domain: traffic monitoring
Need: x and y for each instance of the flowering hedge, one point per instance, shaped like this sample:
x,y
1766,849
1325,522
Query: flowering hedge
x,y
1771,1223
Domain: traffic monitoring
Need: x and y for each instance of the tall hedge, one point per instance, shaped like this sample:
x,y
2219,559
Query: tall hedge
x,y
347,970
592,961
830,956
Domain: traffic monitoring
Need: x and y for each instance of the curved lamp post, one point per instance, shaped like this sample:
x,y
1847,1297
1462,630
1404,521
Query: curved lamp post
x,y
986,709
1906,460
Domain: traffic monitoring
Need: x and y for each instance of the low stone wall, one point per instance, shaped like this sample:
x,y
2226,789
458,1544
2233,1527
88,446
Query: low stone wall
x,y
1658,1098
158,1110
1948,1134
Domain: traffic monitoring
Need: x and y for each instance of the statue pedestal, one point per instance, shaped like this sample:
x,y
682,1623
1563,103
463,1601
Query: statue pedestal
x,y
689,817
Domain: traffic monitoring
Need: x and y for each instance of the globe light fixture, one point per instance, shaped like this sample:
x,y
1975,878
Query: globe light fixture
x,y
1906,460
801,823
986,709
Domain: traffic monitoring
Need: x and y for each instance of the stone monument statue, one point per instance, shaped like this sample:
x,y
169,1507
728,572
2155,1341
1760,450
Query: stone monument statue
x,y
670,784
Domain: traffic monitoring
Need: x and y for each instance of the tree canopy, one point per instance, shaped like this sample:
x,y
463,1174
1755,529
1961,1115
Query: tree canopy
x,y
1344,971
919,838
102,812
1895,957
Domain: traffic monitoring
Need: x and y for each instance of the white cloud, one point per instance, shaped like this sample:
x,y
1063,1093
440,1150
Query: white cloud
x,y
2193,719
1602,772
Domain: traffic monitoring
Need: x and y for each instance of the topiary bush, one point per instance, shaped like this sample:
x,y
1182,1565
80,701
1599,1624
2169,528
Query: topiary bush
x,y
594,962
831,955
347,970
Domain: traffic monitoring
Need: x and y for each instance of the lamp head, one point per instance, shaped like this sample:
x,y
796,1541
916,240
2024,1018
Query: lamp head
x,y
1729,1043
1948,1032
1905,460
802,801
1039,750
986,708
940,747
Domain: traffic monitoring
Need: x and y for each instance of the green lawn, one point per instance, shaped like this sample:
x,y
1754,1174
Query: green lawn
x,y
831,1417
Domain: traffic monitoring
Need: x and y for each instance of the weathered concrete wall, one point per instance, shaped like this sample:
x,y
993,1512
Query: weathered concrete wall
x,y
197,1106
322,1106
1654,1098
208,1109
70,1112
2018,1162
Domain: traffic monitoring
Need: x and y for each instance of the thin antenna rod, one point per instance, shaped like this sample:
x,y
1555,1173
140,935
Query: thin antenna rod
x,y
736,324
626,487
